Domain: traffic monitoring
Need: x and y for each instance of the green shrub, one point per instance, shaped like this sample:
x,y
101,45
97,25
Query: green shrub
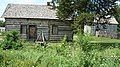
x,y
64,41
2,24
61,48
83,41
11,40
1,58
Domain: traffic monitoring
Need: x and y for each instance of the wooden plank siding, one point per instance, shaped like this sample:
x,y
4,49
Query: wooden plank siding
x,y
63,29
12,27
43,29
44,26
56,37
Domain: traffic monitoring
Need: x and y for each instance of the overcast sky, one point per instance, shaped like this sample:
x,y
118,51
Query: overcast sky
x,y
3,3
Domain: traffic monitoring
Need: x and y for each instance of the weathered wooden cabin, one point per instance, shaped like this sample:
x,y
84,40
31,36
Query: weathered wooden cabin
x,y
33,20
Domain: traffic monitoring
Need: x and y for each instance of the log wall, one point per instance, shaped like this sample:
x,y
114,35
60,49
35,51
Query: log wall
x,y
63,29
44,26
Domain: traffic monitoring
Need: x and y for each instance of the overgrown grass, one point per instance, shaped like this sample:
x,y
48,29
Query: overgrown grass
x,y
55,55
62,54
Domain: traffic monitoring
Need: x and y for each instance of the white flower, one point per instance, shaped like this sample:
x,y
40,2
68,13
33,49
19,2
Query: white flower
x,y
102,64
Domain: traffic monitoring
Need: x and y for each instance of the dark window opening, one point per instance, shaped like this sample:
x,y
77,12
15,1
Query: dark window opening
x,y
97,28
23,29
54,29
104,26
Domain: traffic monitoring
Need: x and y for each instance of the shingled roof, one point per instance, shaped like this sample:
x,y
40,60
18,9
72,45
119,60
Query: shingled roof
x,y
29,11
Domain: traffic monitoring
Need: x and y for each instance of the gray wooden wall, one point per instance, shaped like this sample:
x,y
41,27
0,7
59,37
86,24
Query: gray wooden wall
x,y
42,25
63,29
110,28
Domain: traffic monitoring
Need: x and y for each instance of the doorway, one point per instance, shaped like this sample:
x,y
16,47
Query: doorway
x,y
32,32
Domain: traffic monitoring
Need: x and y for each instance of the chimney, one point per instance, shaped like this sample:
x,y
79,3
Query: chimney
x,y
48,4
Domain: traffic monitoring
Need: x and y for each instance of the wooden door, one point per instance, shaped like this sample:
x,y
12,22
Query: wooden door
x,y
32,32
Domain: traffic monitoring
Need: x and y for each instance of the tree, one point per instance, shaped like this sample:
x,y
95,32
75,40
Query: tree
x,y
54,3
117,15
71,8
68,9
103,8
83,19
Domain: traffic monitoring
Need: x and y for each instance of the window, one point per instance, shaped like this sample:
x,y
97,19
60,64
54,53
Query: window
x,y
104,26
23,29
54,29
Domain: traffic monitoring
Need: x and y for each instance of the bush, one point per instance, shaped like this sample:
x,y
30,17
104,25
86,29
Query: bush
x,y
83,41
64,41
11,40
2,24
93,54
1,58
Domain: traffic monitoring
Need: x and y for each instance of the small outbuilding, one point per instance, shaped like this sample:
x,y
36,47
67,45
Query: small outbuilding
x,y
103,27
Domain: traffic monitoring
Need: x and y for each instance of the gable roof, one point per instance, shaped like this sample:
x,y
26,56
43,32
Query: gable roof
x,y
29,11
111,20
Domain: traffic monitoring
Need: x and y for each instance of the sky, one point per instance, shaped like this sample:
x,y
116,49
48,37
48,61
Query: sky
x,y
4,3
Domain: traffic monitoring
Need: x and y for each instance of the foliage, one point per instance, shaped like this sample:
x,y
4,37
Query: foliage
x,y
64,41
80,21
92,42
90,50
72,9
64,9
1,58
2,24
102,7
80,53
117,16
83,41
70,56
11,40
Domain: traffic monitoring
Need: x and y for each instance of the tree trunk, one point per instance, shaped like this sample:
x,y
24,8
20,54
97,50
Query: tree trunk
x,y
82,28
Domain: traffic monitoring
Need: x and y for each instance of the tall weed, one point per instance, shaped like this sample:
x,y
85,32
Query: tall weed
x,y
83,41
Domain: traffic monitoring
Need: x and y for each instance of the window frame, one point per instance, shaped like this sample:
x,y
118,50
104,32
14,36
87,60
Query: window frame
x,y
21,29
56,29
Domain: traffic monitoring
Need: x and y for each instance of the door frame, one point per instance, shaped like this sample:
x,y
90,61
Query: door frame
x,y
29,32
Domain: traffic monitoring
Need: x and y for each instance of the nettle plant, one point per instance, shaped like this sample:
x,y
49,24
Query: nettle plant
x,y
11,40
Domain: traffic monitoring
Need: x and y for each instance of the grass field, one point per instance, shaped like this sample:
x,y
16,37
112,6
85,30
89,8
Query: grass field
x,y
95,39
104,40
